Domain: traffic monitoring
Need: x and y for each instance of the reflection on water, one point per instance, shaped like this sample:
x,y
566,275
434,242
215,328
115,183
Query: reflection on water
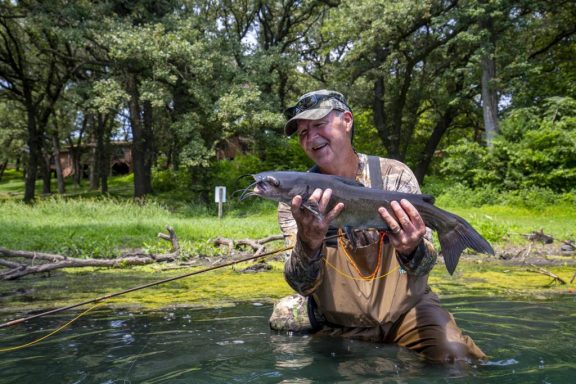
x,y
528,342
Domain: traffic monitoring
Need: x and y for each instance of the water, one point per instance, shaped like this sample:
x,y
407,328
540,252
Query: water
x,y
528,342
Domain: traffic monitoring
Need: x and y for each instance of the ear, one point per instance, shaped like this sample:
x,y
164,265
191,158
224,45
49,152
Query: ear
x,y
348,120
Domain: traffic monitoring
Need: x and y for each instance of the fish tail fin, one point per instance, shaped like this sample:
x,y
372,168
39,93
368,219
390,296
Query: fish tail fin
x,y
454,233
457,238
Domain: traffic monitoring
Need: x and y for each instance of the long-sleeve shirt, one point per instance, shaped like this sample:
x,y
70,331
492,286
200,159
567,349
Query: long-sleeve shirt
x,y
304,272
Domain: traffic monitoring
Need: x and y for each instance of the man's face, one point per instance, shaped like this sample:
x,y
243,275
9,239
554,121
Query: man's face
x,y
327,140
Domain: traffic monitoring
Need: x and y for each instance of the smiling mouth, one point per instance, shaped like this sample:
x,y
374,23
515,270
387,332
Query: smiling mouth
x,y
319,146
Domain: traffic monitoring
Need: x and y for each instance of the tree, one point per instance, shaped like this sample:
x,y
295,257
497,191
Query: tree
x,y
12,133
36,63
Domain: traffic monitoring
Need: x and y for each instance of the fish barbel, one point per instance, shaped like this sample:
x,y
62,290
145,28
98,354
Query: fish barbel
x,y
361,208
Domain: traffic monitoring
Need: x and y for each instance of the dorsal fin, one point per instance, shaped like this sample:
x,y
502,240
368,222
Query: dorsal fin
x,y
428,198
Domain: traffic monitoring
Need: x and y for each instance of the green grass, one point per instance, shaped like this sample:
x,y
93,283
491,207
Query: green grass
x,y
83,223
103,227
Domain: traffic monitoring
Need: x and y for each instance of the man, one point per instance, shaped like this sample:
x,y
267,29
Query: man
x,y
376,288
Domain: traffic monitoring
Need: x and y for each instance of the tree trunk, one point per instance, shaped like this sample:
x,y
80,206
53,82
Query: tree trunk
x,y
57,164
441,127
140,140
34,153
488,67
149,149
380,116
76,165
76,152
96,153
3,167
46,174
94,177
489,100
104,151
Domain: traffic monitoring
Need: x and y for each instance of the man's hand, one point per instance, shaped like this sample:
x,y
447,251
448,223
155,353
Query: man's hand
x,y
406,226
311,229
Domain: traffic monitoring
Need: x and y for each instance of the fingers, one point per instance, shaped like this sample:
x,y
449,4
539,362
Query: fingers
x,y
334,212
321,200
405,217
313,222
413,214
406,225
392,223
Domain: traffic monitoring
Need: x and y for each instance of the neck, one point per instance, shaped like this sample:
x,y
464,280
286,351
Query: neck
x,y
347,166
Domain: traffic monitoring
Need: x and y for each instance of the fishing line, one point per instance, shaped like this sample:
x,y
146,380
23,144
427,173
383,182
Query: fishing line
x,y
10,349
106,297
100,300
348,276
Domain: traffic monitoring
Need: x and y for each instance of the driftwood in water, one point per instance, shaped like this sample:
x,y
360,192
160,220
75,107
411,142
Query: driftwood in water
x,y
258,246
543,271
38,262
27,262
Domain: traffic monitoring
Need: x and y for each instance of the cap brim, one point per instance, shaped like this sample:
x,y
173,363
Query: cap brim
x,y
309,114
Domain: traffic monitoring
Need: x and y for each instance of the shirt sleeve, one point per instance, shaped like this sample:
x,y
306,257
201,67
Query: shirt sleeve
x,y
302,271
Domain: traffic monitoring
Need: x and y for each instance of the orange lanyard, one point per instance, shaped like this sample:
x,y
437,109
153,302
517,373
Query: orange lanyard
x,y
371,276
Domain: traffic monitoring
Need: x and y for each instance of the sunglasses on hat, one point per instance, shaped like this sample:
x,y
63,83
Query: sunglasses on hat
x,y
309,102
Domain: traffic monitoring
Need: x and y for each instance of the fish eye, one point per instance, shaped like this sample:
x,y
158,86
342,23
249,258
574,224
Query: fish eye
x,y
272,180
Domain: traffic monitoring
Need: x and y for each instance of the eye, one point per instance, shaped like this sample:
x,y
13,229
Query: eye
x,y
320,123
272,180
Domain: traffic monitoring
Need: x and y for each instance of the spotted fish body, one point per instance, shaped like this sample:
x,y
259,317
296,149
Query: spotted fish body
x,y
361,208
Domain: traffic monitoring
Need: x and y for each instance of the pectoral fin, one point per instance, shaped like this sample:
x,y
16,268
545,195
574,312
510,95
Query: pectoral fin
x,y
313,207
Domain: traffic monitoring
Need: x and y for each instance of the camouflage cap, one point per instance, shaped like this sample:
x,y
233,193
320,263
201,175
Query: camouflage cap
x,y
313,106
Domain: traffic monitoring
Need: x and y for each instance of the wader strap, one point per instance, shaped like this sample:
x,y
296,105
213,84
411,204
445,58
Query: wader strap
x,y
375,172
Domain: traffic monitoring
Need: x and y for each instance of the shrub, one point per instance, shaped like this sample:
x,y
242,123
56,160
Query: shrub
x,y
536,148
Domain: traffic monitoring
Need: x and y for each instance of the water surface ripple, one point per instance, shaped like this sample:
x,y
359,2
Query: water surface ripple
x,y
528,342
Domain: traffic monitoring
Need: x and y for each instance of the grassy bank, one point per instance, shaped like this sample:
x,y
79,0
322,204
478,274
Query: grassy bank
x,y
97,227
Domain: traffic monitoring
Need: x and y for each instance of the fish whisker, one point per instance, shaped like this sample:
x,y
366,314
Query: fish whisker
x,y
247,192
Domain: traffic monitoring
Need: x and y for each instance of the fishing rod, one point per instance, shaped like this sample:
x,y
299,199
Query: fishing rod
x,y
137,288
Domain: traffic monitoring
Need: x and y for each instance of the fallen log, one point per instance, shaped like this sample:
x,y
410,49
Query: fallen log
x,y
49,262
30,262
256,245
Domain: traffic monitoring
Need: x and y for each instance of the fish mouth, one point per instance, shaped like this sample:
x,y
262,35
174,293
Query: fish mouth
x,y
260,187
249,191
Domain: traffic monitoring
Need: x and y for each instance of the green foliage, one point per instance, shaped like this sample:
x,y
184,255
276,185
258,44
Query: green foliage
x,y
213,71
535,149
365,135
